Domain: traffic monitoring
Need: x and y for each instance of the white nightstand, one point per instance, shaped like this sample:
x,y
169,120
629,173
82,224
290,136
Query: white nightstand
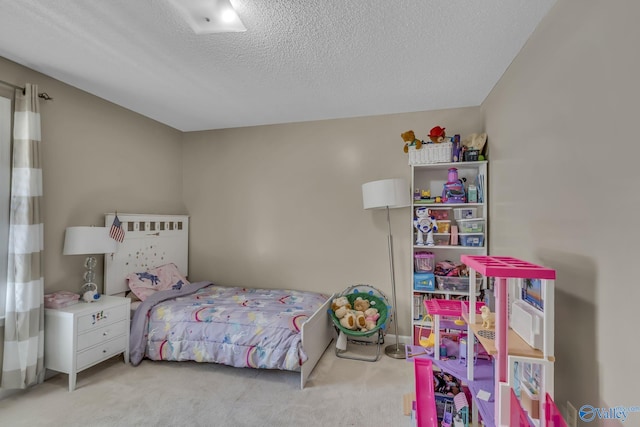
x,y
84,334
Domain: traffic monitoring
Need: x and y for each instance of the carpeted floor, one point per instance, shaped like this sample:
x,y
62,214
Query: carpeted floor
x,y
340,392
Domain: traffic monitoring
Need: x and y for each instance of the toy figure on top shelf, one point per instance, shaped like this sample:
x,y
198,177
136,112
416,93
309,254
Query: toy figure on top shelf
x,y
453,191
425,224
410,140
437,134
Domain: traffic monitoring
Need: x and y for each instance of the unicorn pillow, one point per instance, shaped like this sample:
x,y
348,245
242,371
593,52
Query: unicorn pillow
x,y
157,279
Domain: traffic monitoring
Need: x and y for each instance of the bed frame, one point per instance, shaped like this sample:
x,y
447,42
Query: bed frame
x,y
154,240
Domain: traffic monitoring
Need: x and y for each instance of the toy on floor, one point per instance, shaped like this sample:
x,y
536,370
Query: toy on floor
x,y
488,318
425,225
410,140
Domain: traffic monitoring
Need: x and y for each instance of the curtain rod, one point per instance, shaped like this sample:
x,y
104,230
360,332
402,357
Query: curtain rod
x,y
42,95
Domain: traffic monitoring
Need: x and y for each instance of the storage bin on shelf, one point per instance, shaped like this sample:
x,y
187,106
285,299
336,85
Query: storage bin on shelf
x,y
471,239
475,225
440,213
431,153
464,213
441,239
424,282
424,261
456,283
444,226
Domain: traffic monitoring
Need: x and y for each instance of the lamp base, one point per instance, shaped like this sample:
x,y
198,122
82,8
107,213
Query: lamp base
x,y
396,351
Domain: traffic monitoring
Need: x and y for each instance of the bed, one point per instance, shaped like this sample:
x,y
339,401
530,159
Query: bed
x,y
205,322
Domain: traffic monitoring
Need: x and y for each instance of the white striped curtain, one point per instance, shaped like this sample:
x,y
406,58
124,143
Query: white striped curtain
x,y
22,363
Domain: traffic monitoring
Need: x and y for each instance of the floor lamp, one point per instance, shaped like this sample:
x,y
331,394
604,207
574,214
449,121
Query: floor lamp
x,y
388,194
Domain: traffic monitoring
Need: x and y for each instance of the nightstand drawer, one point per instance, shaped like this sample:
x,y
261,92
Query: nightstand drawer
x,y
102,334
102,317
101,352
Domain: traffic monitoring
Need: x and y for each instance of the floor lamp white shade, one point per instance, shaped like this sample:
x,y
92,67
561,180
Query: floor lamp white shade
x,y
392,193
389,194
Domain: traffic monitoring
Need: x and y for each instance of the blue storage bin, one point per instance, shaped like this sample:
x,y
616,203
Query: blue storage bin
x,y
424,282
471,239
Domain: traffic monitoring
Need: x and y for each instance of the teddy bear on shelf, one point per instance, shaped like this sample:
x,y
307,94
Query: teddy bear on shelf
x,y
410,140
425,225
437,134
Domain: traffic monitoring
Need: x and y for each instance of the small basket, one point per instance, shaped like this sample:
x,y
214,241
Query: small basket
x,y
431,153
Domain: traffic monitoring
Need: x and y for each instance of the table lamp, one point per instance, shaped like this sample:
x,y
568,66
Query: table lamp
x,y
388,194
88,241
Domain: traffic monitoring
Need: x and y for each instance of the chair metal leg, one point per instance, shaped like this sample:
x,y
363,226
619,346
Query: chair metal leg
x,y
379,342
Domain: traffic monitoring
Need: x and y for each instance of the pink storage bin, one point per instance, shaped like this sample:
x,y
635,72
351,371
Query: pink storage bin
x,y
424,262
442,214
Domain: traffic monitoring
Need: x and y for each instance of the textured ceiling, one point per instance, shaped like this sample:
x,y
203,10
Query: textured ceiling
x,y
298,60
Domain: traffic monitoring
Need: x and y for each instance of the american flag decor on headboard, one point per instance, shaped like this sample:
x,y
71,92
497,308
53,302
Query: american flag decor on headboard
x,y
116,232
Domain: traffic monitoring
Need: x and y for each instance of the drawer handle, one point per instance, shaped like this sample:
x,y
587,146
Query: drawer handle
x,y
104,351
105,333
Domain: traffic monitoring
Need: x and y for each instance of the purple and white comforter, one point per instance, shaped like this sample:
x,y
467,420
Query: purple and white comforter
x,y
258,328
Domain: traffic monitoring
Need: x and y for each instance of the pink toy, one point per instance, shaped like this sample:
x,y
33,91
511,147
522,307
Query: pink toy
x,y
453,190
425,393
503,268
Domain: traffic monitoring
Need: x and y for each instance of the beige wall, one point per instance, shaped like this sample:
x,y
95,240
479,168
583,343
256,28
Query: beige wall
x,y
97,157
281,205
562,126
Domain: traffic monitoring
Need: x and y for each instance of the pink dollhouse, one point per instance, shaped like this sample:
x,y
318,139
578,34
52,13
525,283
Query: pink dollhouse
x,y
517,387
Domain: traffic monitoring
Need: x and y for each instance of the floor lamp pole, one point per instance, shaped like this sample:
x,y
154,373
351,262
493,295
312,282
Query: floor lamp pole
x,y
397,350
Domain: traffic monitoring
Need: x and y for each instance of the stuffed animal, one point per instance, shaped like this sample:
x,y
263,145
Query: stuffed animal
x,y
341,311
437,134
409,138
361,304
425,224
349,320
371,317
340,302
488,318
361,322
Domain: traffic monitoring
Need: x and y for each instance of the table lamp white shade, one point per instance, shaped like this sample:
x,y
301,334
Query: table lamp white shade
x,y
88,241
392,193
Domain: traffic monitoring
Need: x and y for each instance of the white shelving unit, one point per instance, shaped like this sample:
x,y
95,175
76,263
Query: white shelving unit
x,y
432,177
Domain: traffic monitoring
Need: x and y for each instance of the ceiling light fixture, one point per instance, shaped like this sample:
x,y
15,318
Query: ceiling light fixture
x,y
209,16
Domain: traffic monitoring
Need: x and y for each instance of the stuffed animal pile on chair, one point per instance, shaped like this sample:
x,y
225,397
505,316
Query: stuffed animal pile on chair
x,y
361,317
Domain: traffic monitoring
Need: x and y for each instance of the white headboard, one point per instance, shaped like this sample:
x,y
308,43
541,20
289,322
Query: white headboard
x,y
149,241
